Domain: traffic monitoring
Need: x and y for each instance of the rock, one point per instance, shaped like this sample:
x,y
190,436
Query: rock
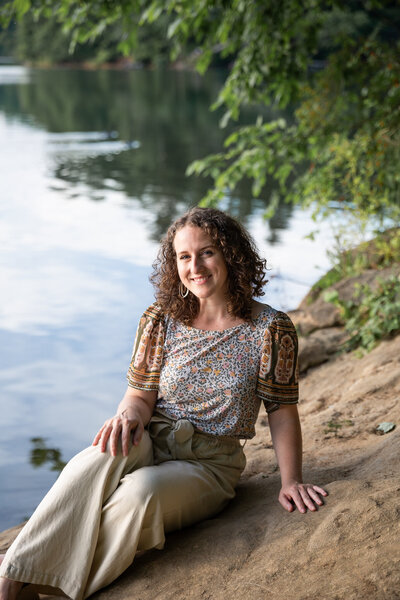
x,y
312,352
321,315
319,346
7,536
385,427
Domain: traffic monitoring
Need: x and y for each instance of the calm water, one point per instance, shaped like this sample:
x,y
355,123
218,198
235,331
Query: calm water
x,y
92,172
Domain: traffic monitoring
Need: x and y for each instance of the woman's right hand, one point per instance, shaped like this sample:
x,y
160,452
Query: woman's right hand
x,y
127,426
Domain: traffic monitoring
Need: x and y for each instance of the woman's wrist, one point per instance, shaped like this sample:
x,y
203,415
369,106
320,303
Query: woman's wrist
x,y
128,411
287,481
124,412
134,408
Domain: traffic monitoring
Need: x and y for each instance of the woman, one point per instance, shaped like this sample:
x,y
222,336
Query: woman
x,y
205,355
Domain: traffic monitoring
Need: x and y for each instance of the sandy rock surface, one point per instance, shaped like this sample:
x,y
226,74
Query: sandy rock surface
x,y
254,549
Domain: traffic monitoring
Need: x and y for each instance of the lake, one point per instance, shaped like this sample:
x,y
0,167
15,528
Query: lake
x,y
92,172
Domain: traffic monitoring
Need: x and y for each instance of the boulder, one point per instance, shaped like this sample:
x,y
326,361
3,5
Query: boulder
x,y
316,348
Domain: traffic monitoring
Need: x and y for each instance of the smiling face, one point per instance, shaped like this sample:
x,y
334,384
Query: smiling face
x,y
201,265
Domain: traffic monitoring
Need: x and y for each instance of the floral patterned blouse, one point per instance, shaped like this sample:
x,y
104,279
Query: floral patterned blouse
x,y
217,379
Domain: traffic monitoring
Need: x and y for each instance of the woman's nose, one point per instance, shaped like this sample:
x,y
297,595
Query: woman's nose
x,y
196,262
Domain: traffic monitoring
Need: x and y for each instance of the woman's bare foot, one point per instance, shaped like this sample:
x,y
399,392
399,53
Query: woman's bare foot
x,y
9,589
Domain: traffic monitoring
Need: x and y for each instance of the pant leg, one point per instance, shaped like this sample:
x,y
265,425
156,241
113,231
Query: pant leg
x,y
57,545
194,480
102,509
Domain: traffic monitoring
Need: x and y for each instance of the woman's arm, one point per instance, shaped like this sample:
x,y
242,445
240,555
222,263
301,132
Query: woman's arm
x,y
286,436
133,413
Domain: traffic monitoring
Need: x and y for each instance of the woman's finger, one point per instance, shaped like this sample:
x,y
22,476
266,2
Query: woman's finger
x,y
287,505
320,490
98,436
127,428
313,494
298,500
114,436
138,433
304,493
104,437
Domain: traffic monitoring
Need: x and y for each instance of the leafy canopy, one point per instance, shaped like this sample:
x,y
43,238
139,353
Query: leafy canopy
x,y
336,62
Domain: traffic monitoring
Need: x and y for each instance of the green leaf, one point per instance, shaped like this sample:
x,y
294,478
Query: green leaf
x,y
22,7
331,296
173,27
151,14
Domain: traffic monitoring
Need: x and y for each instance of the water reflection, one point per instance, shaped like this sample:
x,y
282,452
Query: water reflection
x,y
41,455
165,114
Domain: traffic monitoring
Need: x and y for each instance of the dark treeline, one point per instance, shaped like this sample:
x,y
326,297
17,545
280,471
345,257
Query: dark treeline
x,y
43,41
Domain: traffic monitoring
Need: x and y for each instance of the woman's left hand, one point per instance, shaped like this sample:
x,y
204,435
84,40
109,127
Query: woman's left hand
x,y
302,496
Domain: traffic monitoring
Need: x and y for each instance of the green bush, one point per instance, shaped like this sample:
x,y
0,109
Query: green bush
x,y
372,315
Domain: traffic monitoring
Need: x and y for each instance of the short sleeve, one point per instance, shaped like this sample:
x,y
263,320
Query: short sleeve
x,y
145,366
278,381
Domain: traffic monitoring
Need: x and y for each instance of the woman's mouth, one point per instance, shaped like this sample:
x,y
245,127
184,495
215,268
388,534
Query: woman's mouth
x,y
200,280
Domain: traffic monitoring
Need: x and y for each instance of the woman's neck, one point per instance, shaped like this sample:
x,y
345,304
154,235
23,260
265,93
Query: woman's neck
x,y
214,316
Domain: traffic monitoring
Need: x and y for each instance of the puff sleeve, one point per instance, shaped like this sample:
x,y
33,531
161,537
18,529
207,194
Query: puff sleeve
x,y
277,381
145,366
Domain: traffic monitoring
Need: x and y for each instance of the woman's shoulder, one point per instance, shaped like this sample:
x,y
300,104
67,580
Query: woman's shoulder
x,y
258,308
268,315
153,313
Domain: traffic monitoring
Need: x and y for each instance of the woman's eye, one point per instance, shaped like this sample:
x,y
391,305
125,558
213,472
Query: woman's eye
x,y
203,253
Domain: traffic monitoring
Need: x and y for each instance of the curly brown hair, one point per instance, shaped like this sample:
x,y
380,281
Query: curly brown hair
x,y
246,269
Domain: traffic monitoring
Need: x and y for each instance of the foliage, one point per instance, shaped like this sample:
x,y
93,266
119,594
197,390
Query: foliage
x,y
334,426
378,253
41,40
39,37
346,131
336,61
7,39
372,314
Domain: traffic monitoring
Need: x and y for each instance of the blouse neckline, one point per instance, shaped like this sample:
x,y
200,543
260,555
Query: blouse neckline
x,y
210,331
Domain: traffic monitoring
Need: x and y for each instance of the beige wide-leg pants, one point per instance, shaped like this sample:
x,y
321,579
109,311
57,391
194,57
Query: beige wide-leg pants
x,y
102,509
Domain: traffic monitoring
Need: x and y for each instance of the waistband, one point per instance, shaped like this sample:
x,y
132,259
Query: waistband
x,y
183,428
